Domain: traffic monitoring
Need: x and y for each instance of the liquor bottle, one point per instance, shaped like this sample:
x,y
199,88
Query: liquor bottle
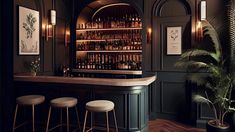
x,y
133,22
100,23
136,21
113,22
126,21
130,22
140,22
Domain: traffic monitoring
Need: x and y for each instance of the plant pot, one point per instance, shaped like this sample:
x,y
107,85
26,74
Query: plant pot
x,y
230,118
212,127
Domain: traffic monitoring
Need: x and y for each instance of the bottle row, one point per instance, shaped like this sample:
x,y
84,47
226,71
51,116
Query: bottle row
x,y
126,21
110,61
98,35
110,45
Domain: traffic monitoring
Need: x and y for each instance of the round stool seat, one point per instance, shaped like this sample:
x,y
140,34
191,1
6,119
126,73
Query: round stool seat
x,y
64,102
100,106
30,99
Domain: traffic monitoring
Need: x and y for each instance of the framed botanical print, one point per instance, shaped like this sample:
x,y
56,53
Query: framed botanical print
x,y
174,40
28,31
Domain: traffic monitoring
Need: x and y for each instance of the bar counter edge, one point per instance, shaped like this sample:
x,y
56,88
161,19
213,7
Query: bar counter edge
x,y
145,81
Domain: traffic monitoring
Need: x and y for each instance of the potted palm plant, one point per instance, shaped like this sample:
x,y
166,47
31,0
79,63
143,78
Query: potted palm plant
x,y
207,68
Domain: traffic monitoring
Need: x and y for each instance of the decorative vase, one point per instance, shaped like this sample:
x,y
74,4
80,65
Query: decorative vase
x,y
34,74
211,127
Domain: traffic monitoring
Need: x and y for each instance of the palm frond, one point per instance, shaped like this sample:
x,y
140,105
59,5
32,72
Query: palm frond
x,y
212,34
199,52
198,78
201,99
191,64
231,109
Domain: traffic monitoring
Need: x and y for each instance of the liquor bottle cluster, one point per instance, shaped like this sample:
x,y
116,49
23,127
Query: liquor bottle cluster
x,y
135,35
109,48
107,61
126,21
109,45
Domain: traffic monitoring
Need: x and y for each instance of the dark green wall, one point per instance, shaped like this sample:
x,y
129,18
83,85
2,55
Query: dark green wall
x,y
162,90
53,53
170,95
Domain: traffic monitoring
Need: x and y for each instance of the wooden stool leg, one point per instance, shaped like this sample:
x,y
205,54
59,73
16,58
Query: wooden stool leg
x,y
67,111
33,116
107,121
84,126
48,119
61,120
14,123
115,120
78,118
91,122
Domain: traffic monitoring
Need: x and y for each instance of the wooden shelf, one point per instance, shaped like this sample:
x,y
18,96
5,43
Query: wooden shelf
x,y
126,72
111,51
91,40
107,29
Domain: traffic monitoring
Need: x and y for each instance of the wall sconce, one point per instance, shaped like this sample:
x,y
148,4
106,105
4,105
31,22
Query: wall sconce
x,y
67,37
49,33
53,17
203,10
43,30
199,30
149,35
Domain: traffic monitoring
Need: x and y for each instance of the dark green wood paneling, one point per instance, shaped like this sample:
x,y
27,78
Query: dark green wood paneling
x,y
130,102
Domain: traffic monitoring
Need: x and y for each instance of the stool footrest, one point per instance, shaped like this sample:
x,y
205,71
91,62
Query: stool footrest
x,y
99,128
22,124
64,124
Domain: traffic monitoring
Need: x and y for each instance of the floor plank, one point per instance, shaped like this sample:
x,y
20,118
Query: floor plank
x,y
161,125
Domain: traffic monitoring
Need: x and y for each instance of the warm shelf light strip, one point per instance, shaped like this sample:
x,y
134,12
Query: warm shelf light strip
x,y
109,51
97,40
107,29
109,71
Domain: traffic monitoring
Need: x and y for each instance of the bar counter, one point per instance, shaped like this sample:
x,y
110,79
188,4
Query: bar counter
x,y
90,81
130,96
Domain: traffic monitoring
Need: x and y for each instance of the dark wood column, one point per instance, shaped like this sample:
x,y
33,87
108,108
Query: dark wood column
x,y
6,88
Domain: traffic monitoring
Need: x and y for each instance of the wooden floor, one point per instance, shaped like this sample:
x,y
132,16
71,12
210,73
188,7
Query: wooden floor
x,y
161,125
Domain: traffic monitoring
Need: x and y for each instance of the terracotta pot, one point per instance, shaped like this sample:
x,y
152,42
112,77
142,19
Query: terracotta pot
x,y
211,127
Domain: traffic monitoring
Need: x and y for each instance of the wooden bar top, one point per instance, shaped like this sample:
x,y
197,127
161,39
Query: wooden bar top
x,y
89,81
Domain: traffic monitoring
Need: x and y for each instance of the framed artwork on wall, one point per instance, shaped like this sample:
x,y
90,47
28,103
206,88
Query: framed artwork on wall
x,y
174,40
28,31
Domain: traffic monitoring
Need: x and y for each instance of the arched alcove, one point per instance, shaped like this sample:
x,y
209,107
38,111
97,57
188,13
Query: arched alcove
x,y
107,6
169,8
168,15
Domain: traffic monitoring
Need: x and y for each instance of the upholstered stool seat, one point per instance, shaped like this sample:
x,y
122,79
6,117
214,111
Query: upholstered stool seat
x,y
30,100
27,100
100,106
63,103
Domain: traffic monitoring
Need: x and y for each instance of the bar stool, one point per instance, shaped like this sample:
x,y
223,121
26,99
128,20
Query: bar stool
x,y
63,103
27,100
100,106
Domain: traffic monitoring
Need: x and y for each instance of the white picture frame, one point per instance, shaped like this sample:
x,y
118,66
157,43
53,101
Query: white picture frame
x,y
28,31
174,40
